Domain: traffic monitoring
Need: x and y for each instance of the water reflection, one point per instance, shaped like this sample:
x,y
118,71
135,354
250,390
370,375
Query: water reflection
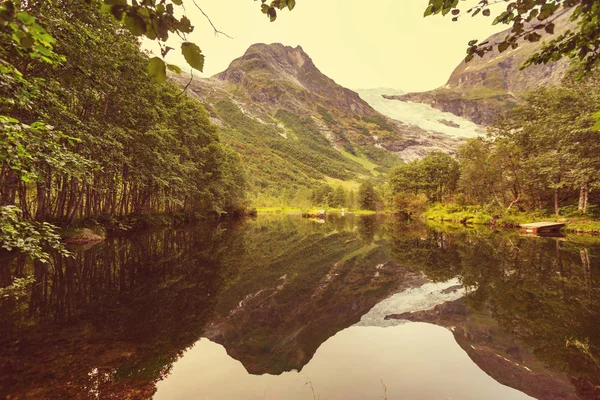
x,y
271,301
409,361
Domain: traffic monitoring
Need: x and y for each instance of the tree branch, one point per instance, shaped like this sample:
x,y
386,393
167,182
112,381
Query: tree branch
x,y
217,32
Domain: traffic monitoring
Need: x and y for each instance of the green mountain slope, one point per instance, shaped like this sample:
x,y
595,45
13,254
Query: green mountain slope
x,y
293,126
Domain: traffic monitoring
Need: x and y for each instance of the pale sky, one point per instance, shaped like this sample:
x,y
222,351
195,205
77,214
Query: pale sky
x,y
358,43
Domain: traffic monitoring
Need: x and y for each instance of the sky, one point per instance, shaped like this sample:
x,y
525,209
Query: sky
x,y
357,43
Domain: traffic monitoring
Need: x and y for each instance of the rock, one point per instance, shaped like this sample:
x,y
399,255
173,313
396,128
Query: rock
x,y
449,123
487,86
83,236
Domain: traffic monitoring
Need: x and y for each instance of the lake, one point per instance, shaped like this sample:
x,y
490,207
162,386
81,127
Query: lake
x,y
280,307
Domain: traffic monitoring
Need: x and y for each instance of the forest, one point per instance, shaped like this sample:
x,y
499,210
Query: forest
x,y
87,134
541,157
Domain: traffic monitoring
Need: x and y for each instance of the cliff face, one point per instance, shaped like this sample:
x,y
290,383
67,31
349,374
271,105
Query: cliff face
x,y
284,76
487,86
480,110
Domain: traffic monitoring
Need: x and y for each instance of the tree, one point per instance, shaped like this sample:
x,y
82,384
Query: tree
x,y
154,20
351,202
119,143
478,175
530,18
338,197
436,175
367,197
440,175
559,147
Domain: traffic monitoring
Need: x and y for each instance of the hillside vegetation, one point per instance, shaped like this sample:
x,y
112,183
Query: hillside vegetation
x,y
294,128
86,135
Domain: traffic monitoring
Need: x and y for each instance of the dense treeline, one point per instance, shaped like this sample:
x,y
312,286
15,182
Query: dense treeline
x,y
366,197
544,155
111,141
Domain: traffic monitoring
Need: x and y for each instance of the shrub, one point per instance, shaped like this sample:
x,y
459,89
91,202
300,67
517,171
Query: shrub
x,y
410,204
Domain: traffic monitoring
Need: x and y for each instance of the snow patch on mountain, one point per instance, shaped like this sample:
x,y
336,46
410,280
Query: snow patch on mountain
x,y
421,115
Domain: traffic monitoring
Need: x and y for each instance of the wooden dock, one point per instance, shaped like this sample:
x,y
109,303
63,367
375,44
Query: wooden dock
x,y
539,228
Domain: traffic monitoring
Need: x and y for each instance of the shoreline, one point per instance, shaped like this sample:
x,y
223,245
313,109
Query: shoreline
x,y
471,215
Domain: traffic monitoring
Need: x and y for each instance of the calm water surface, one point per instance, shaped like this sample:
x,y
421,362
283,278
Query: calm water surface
x,y
285,308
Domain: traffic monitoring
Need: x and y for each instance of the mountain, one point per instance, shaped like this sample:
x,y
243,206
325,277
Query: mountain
x,y
438,130
279,76
502,357
297,290
293,126
492,84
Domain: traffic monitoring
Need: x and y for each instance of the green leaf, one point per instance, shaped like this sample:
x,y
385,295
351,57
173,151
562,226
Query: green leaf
x,y
503,46
193,55
177,2
25,18
174,68
117,12
135,24
157,69
27,42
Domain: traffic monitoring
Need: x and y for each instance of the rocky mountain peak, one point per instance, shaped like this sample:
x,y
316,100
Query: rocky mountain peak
x,y
285,76
275,60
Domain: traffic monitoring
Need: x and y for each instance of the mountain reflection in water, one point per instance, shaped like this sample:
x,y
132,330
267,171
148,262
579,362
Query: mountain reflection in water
x,y
284,308
409,361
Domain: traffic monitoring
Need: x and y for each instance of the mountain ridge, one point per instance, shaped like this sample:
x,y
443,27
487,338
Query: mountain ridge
x,y
487,86
295,128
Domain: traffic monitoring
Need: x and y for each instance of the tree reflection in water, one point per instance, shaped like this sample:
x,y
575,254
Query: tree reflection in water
x,y
112,321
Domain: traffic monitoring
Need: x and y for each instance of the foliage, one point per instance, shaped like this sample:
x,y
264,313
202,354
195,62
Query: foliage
x,y
367,196
270,8
150,19
31,238
30,150
547,147
286,157
541,157
17,288
338,198
529,20
408,203
436,175
381,122
27,36
119,144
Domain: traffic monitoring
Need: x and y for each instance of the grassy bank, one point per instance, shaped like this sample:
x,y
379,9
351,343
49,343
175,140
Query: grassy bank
x,y
511,219
312,210
98,228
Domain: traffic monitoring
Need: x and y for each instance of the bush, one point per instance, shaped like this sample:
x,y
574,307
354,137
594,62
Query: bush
x,y
410,204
